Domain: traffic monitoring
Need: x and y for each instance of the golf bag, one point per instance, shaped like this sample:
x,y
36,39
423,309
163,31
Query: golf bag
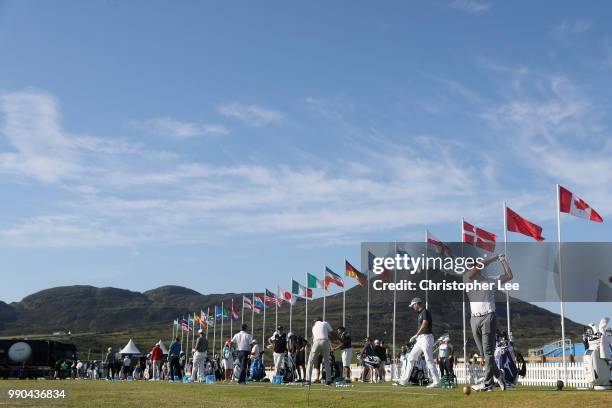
x,y
372,363
505,359
287,369
257,370
418,376
336,371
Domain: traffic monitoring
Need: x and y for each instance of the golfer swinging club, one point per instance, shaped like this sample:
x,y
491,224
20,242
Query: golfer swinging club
x,y
483,321
424,344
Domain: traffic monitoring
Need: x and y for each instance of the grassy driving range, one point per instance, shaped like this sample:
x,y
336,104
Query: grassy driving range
x,y
150,394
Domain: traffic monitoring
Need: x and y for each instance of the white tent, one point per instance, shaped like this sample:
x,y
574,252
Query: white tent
x,y
162,346
130,348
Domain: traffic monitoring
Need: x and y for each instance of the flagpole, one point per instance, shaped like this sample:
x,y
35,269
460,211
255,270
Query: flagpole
x,y
187,337
276,312
506,255
215,330
291,306
222,319
368,307
561,284
182,332
324,295
173,326
463,310
306,320
207,321
263,327
394,307
242,312
426,274
253,313
344,303
193,335
232,320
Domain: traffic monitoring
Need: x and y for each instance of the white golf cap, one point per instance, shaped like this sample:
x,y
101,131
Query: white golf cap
x,y
200,331
110,348
414,301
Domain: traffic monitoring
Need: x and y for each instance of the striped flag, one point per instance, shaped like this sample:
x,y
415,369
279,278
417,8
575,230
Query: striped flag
x,y
440,246
386,273
258,303
332,277
185,325
203,319
314,282
234,312
300,290
352,272
248,303
272,298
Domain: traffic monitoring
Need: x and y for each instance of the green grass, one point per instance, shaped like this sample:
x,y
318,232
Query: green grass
x,y
140,394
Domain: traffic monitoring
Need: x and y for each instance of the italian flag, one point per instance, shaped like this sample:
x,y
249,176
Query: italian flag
x,y
300,290
332,277
314,282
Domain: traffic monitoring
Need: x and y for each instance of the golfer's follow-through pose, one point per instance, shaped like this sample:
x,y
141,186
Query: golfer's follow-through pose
x,y
483,321
424,345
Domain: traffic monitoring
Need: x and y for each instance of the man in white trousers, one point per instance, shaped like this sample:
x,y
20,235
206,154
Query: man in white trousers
x,y
321,345
424,345
199,357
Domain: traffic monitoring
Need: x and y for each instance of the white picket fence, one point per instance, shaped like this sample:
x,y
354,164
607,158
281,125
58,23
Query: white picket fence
x,y
538,374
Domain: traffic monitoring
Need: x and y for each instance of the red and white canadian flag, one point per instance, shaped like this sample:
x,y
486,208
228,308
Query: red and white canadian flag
x,y
479,237
572,204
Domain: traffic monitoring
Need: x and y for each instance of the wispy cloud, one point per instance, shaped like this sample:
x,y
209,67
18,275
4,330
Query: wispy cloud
x,y
470,6
252,115
182,130
572,26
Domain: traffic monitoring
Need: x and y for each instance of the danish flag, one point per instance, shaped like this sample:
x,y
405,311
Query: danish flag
x,y
440,246
572,204
479,237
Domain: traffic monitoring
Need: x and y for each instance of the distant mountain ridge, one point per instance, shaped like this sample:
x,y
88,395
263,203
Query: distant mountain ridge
x,y
92,310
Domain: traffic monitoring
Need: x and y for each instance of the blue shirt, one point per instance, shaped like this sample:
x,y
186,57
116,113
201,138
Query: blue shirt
x,y
175,348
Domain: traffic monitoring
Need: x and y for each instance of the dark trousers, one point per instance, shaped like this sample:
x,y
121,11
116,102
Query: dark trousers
x,y
175,367
242,358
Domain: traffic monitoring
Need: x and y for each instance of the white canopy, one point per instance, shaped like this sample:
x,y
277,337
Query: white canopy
x,y
130,348
162,346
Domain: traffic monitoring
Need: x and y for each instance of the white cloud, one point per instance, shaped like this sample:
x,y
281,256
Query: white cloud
x,y
32,127
572,26
182,130
470,6
252,115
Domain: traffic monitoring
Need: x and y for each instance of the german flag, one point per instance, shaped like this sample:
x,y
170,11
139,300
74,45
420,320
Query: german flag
x,y
352,272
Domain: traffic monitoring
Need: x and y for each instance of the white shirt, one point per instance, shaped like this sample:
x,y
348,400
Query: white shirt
x,y
242,340
486,303
321,330
255,351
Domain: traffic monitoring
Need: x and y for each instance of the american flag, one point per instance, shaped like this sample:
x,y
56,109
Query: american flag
x,y
270,297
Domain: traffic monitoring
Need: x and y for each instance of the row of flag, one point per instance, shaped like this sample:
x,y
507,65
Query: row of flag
x,y
203,320
569,203
260,301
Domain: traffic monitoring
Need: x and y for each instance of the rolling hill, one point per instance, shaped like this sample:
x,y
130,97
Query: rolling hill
x,y
99,317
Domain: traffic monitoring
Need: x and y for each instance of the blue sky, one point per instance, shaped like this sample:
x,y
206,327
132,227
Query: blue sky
x,y
228,147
